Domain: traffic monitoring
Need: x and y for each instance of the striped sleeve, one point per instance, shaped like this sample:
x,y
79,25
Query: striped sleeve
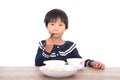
x,y
87,63
44,53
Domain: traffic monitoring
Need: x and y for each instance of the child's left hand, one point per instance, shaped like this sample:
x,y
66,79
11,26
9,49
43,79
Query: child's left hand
x,y
97,65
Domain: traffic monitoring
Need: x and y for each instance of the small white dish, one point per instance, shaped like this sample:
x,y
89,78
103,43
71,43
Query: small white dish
x,y
78,62
58,71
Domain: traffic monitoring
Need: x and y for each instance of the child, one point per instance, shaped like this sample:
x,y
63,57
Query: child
x,y
55,48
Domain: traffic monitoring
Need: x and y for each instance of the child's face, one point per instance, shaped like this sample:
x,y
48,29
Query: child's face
x,y
57,27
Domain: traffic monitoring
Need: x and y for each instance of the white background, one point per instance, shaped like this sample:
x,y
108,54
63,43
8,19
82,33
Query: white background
x,y
93,24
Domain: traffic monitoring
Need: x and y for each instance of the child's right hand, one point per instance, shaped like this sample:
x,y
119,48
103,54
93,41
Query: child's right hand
x,y
49,45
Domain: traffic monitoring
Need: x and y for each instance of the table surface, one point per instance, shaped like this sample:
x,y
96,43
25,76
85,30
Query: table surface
x,y
33,73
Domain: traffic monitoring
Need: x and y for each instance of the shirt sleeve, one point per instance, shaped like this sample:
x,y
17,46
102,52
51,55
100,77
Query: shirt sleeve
x,y
87,62
41,56
75,53
71,50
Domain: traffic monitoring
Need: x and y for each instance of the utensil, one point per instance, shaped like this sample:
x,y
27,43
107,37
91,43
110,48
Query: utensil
x,y
45,41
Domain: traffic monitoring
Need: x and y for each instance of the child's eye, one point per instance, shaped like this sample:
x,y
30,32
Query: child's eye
x,y
60,25
52,24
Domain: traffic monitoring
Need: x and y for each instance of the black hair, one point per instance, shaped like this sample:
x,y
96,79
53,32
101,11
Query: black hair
x,y
54,14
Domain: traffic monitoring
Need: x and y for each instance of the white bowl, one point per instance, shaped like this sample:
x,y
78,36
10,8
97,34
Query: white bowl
x,y
58,71
78,62
54,62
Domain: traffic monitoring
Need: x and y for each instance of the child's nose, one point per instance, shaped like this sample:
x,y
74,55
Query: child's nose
x,y
56,27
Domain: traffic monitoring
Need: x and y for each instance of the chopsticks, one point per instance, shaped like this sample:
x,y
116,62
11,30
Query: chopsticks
x,y
51,35
45,41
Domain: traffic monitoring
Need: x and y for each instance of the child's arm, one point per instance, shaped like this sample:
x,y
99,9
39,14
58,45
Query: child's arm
x,y
94,64
41,55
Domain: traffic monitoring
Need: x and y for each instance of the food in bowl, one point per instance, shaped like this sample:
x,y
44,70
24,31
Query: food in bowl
x,y
53,68
78,62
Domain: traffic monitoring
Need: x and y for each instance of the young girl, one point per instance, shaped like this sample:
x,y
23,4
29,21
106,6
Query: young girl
x,y
55,48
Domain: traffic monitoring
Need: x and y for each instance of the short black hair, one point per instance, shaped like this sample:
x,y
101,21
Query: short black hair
x,y
54,14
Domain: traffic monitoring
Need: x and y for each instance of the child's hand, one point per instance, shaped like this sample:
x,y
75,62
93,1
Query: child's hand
x,y
97,65
49,45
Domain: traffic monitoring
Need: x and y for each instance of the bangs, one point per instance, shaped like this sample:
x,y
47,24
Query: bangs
x,y
54,19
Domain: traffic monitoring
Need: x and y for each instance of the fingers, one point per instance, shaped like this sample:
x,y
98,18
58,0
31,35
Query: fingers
x,y
98,65
50,38
49,44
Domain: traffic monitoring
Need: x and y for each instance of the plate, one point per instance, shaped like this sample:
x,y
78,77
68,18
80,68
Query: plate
x,y
58,71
